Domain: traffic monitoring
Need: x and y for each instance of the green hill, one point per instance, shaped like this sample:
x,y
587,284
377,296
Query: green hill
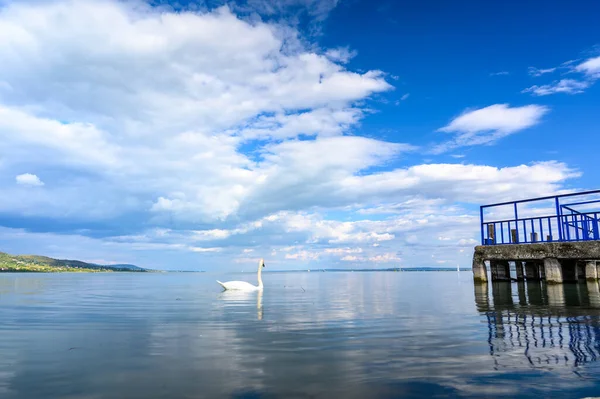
x,y
43,264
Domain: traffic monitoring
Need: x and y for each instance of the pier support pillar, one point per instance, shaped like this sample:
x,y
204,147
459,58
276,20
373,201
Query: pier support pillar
x,y
500,270
532,271
553,271
479,271
591,273
520,271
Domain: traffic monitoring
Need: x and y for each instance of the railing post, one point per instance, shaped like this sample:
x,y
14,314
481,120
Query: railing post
x,y
491,233
586,231
559,220
481,218
516,225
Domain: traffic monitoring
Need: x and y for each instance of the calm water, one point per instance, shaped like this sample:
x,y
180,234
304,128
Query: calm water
x,y
357,335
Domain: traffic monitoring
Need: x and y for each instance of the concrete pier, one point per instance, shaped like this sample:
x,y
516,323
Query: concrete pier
x,y
553,262
553,270
560,243
480,272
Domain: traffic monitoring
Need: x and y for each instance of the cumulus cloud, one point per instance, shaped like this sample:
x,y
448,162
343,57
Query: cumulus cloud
x,y
322,122
179,107
27,179
415,224
159,83
489,124
202,134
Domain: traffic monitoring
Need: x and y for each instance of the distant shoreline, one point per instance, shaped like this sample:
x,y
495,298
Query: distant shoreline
x,y
43,264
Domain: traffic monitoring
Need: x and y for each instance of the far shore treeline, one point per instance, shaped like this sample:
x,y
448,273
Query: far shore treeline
x,y
42,264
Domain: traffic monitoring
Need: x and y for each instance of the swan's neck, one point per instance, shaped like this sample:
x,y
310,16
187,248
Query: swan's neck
x,y
260,284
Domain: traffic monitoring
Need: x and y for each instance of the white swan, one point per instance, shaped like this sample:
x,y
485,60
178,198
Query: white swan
x,y
244,286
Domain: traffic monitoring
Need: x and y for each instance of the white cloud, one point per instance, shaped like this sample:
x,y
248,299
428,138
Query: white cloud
x,y
569,86
165,129
405,97
75,143
343,250
420,220
413,226
187,135
539,72
322,122
489,124
384,258
202,249
27,179
302,255
501,73
469,241
159,84
341,54
291,12
590,67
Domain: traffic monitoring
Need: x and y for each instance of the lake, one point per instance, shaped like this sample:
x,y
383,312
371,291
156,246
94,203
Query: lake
x,y
309,335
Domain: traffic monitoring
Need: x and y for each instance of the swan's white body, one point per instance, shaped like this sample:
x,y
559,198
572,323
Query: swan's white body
x,y
243,285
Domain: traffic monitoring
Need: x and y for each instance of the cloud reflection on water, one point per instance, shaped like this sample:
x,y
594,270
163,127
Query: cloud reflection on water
x,y
322,334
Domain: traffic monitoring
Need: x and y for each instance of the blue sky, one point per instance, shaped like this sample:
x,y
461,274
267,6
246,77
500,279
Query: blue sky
x,y
204,135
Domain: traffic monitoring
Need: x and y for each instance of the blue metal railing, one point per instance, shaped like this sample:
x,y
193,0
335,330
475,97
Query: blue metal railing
x,y
564,224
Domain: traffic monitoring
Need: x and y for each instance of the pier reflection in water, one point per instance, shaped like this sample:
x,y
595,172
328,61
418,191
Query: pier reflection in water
x,y
541,326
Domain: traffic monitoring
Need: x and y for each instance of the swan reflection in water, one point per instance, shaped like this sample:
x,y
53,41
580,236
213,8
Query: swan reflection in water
x,y
541,326
243,298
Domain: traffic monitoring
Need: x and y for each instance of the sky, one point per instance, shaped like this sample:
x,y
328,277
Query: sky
x,y
204,135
